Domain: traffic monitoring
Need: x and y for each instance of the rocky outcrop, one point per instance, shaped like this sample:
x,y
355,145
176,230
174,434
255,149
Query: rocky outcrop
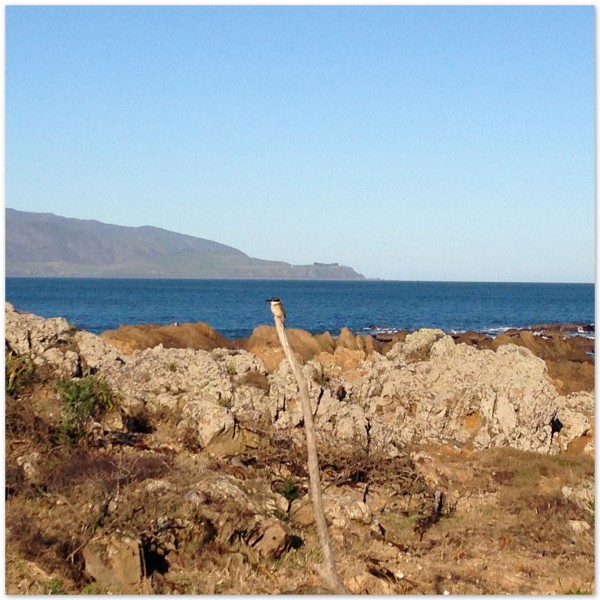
x,y
199,336
26,333
566,355
426,389
459,395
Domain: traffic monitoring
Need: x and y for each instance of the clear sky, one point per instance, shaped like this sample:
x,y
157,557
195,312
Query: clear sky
x,y
409,142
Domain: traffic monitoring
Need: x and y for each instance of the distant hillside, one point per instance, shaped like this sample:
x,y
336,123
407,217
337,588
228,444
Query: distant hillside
x,y
43,244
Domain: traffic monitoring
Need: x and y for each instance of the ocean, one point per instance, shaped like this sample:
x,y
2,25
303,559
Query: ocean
x,y
236,307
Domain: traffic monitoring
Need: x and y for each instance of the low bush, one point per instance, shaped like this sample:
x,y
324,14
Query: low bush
x,y
19,372
87,398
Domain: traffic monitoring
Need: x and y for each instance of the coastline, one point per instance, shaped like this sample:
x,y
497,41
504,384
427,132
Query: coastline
x,y
181,458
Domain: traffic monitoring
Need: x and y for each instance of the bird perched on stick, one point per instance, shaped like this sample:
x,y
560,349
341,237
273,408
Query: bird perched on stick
x,y
277,308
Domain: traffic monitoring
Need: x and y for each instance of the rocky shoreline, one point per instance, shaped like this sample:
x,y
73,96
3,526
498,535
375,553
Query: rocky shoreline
x,y
197,468
567,349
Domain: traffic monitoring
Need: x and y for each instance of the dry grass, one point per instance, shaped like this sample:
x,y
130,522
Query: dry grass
x,y
500,523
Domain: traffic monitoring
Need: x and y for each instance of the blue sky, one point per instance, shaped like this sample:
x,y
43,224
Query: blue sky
x,y
411,143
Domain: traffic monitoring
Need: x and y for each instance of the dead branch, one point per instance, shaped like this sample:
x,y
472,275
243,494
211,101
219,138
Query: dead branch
x,y
329,571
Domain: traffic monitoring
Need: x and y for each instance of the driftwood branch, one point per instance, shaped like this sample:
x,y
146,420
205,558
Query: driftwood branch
x,y
329,571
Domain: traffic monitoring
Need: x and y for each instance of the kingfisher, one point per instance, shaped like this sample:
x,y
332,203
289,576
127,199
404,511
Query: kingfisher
x,y
277,308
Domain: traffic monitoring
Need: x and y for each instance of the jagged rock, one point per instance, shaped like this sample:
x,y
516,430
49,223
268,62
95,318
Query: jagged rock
x,y
339,508
415,346
335,421
367,583
575,417
264,343
427,389
284,401
96,354
326,341
346,339
366,344
26,333
344,360
167,379
66,362
567,356
583,494
460,395
238,362
208,421
115,562
551,345
579,526
29,463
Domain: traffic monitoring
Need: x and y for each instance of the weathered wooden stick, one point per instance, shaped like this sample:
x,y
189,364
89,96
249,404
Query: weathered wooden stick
x,y
329,572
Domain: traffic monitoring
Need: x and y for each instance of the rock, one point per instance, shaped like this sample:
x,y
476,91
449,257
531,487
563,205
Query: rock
x,y
567,356
575,417
275,538
238,362
326,342
167,379
552,345
416,346
347,360
570,376
26,333
340,509
583,494
199,336
366,583
96,354
264,343
66,362
462,395
366,344
346,339
284,401
206,421
427,389
115,562
30,465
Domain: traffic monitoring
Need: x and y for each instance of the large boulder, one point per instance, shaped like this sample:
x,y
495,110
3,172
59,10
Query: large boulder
x,y
458,394
567,356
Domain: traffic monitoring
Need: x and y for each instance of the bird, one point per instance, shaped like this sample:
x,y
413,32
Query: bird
x,y
277,308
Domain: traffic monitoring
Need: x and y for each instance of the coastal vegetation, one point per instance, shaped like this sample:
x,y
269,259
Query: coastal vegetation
x,y
194,479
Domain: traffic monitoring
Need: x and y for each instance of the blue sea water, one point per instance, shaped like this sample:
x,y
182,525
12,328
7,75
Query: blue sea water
x,y
236,307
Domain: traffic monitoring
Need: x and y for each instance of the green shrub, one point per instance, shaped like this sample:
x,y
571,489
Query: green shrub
x,y
86,398
289,489
19,372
